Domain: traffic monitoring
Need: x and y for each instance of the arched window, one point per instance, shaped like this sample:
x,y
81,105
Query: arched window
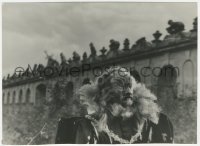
x,y
166,86
13,97
188,78
8,98
86,81
136,75
28,96
20,96
69,90
4,101
40,94
168,75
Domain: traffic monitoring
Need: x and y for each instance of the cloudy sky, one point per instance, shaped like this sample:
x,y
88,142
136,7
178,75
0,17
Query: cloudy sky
x,y
31,28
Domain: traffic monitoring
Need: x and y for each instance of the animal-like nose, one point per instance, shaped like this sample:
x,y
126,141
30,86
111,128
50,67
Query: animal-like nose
x,y
128,95
128,90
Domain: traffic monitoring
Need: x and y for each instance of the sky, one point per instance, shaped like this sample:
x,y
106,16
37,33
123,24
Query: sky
x,y
29,29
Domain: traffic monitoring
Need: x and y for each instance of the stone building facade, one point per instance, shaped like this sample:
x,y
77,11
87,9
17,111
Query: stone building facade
x,y
168,67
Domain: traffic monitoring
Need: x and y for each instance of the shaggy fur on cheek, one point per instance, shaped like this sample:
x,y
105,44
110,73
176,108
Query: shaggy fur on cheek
x,y
148,109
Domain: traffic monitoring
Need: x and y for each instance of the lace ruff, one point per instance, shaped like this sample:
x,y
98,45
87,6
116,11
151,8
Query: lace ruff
x,y
115,136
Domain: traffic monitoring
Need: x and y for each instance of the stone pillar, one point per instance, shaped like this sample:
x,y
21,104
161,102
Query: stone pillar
x,y
33,94
49,88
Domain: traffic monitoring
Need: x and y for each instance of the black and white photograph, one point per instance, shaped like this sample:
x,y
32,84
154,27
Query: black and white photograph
x,y
99,73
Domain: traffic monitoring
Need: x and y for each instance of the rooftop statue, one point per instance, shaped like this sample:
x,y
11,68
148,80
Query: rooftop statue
x,y
76,56
114,45
103,51
126,44
84,57
93,55
194,25
8,76
63,65
93,50
114,49
14,76
40,69
175,27
51,62
142,43
63,59
157,36
76,59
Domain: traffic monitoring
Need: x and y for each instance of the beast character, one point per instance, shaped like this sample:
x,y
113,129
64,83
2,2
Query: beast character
x,y
119,111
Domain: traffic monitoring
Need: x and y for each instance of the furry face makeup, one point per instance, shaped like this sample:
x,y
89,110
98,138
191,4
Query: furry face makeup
x,y
145,103
116,87
121,95
113,90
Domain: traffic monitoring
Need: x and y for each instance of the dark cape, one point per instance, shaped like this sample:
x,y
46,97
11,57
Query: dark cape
x,y
80,130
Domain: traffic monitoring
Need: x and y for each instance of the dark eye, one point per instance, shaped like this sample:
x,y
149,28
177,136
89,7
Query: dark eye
x,y
105,76
128,85
120,82
100,80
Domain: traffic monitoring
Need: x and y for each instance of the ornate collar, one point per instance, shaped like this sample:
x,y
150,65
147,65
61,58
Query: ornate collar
x,y
114,136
